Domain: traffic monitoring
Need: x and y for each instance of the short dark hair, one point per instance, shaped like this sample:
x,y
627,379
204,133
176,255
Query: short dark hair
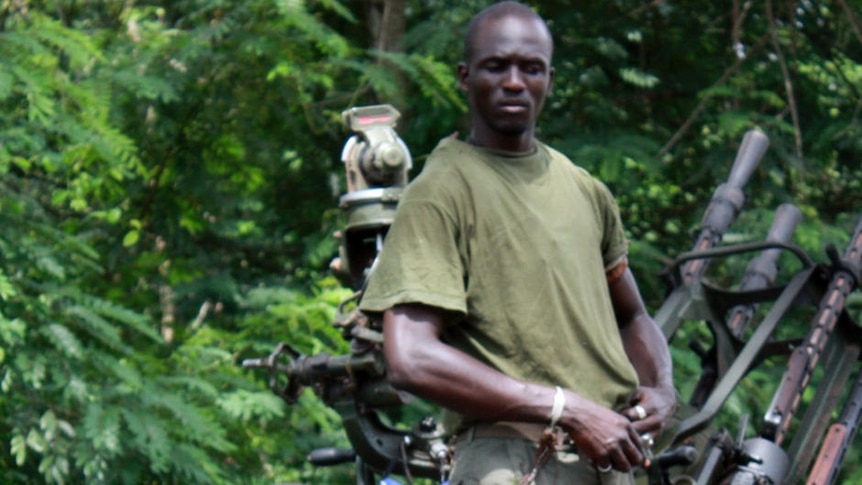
x,y
494,12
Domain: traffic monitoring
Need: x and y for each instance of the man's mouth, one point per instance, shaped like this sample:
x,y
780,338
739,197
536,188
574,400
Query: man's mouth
x,y
513,106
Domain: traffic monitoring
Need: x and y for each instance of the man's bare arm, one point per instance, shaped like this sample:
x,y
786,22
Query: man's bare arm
x,y
647,349
420,363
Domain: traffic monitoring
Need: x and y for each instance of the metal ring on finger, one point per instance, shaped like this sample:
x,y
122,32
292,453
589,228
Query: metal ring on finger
x,y
604,469
640,411
647,440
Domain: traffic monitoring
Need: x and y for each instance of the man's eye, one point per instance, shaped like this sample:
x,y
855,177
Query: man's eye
x,y
534,69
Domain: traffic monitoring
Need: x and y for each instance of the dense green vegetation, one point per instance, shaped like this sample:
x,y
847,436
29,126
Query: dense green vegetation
x,y
167,199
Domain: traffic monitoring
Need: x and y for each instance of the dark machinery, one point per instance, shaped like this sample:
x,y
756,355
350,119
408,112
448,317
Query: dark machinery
x,y
376,161
784,445
742,323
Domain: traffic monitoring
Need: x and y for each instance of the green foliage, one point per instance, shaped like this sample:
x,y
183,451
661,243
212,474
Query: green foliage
x,y
168,173
91,391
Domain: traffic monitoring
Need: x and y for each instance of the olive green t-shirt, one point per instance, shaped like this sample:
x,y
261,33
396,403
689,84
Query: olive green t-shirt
x,y
515,247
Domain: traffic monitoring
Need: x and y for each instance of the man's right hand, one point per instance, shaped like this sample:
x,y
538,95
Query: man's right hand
x,y
607,437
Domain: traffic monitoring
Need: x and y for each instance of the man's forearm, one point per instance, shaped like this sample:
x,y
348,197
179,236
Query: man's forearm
x,y
642,339
648,351
418,362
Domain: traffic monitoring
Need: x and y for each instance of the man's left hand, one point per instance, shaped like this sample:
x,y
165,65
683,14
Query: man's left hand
x,y
650,408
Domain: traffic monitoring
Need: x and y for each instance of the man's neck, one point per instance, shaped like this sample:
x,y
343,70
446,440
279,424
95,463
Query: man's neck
x,y
522,143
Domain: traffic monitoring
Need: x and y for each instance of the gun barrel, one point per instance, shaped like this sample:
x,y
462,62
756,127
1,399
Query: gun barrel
x,y
762,270
754,145
787,217
727,201
805,358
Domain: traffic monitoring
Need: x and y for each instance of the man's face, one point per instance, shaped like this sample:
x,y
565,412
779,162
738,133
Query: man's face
x,y
507,79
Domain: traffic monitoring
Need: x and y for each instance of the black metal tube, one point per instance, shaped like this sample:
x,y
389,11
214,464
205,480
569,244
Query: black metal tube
x,y
727,200
762,270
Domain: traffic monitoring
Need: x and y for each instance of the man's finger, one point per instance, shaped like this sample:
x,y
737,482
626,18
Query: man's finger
x,y
633,452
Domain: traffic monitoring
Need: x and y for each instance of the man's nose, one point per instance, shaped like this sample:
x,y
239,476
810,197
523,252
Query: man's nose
x,y
513,79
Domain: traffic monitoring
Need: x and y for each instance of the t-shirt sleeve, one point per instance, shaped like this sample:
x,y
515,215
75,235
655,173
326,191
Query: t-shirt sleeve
x,y
614,242
420,261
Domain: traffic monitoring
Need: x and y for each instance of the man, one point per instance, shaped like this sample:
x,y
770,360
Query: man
x,y
505,291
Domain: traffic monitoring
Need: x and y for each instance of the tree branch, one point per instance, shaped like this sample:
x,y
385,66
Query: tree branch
x,y
788,82
851,17
639,10
702,104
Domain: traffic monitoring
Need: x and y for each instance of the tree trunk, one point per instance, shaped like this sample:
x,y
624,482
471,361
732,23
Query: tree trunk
x,y
386,24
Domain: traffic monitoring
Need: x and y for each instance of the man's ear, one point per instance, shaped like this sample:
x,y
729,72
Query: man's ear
x,y
551,73
463,74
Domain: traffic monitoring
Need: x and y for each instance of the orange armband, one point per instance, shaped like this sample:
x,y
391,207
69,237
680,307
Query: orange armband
x,y
615,271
